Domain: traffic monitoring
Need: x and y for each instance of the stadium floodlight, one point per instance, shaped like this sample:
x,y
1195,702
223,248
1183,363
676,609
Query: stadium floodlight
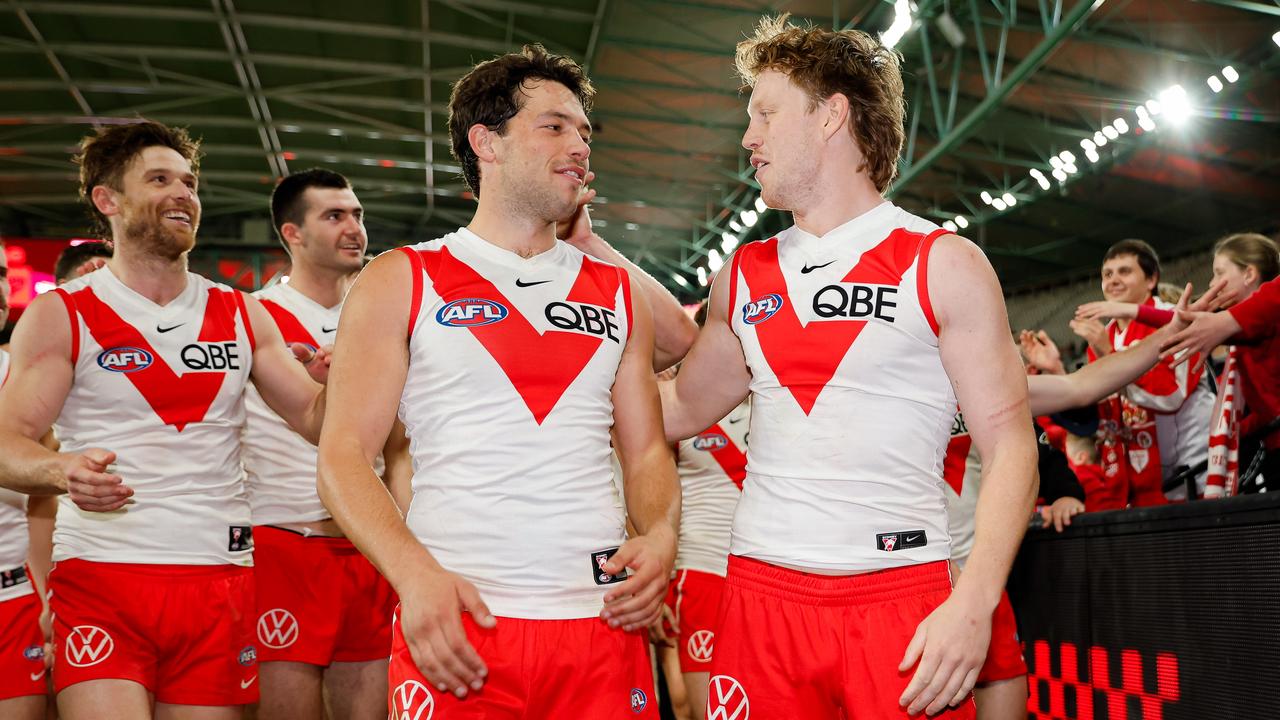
x,y
714,261
1059,175
728,241
702,276
1070,169
1120,125
950,226
1146,123
1043,182
1009,199
749,217
1056,162
900,25
760,206
1230,74
1175,104
680,280
1110,133
1087,145
1092,155
998,204
962,221
1099,139
1154,107
1067,157
1214,83
986,197
1276,38
734,226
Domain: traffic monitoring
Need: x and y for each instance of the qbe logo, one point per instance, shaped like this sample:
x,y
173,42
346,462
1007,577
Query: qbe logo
x,y
88,645
277,628
124,359
710,441
471,312
411,700
726,700
757,311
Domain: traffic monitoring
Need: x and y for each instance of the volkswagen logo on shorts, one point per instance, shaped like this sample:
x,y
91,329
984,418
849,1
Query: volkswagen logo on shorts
x,y
700,645
411,700
710,441
124,359
639,701
757,311
277,628
726,700
470,312
88,645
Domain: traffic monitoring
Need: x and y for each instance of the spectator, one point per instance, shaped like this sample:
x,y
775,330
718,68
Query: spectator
x,y
77,260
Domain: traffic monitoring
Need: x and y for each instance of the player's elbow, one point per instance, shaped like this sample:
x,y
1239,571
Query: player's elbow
x,y
676,342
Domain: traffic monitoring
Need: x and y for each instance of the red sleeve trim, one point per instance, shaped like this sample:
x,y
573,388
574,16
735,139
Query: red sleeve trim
x,y
75,323
415,303
626,300
733,285
1154,316
248,324
922,278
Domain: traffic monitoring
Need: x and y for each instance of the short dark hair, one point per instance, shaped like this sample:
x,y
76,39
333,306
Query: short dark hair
x,y
1148,260
104,156
491,94
76,255
287,203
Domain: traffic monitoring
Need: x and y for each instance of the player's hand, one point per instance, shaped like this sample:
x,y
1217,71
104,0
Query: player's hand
x,y
1059,514
1106,309
1217,297
431,619
637,601
1041,352
1094,333
576,228
90,483
665,629
1204,331
950,646
316,361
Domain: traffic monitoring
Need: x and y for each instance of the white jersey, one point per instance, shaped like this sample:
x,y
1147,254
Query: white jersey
x,y
851,407
163,388
13,530
962,471
712,466
279,464
508,408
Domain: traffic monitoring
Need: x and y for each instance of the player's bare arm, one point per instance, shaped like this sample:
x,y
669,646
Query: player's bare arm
x,y
397,474
368,370
951,644
287,383
649,482
40,376
713,378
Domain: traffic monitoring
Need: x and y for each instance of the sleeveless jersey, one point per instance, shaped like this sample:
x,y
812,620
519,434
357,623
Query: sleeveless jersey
x,y
280,466
163,388
13,526
712,466
851,405
508,407
962,471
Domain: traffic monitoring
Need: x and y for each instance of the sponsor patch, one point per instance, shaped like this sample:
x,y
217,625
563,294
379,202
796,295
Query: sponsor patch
x,y
124,359
33,652
639,701
757,311
598,559
710,441
902,540
248,656
470,312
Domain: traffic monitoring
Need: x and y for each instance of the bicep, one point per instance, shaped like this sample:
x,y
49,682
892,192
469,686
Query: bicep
x,y
714,377
40,369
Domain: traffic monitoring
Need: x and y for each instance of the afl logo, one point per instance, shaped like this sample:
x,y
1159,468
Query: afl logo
x,y
757,311
639,701
710,441
124,359
470,312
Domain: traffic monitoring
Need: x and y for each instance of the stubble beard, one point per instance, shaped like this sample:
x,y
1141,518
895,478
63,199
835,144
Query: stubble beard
x,y
151,236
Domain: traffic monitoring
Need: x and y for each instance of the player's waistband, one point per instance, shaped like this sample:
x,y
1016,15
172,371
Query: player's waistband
x,y
814,589
153,572
284,537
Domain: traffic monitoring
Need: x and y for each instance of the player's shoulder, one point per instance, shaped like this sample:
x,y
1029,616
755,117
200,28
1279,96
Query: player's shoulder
x,y
204,284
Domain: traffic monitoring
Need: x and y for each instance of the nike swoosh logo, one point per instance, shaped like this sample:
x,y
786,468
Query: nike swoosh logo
x,y
327,330
175,327
911,538
37,676
521,283
732,421
244,684
808,269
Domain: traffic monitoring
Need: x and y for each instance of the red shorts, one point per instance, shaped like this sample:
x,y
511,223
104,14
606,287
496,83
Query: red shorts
x,y
21,648
1004,657
580,669
319,601
694,597
184,632
800,645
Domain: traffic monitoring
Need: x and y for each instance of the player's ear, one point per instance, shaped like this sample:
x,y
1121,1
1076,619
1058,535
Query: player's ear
x,y
481,139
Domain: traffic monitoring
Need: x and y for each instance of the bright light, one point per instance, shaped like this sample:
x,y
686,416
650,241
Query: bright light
x,y
680,280
284,279
1230,73
1176,105
1035,173
1059,176
714,261
962,221
44,286
1110,133
1009,199
1214,83
760,206
1121,126
1043,182
734,226
1154,107
702,276
1067,157
1092,155
986,197
950,226
998,204
1276,38
1056,162
1087,145
728,242
1142,112
1099,139
900,25
749,217
1146,123
1070,169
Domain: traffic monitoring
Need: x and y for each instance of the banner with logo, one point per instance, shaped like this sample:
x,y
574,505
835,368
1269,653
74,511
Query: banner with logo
x,y
1164,613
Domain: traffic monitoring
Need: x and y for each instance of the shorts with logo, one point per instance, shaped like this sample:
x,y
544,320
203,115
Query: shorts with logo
x,y
21,648
800,645
694,598
580,669
184,632
319,601
1004,657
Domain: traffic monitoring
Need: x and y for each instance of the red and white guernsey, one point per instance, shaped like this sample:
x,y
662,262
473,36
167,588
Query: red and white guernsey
x,y
163,388
851,405
712,466
13,526
962,471
279,464
508,408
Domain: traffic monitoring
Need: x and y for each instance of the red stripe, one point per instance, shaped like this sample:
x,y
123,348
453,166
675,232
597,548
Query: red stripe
x,y
953,465
730,458
733,281
244,318
75,323
415,302
290,327
626,301
922,278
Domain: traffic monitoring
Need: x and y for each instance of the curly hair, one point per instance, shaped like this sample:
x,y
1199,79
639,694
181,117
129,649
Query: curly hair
x,y
825,62
106,154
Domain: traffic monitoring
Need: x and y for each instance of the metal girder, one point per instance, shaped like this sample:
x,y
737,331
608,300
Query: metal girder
x,y
668,47
428,148
593,40
52,57
614,80
247,74
1258,7
531,9
1121,42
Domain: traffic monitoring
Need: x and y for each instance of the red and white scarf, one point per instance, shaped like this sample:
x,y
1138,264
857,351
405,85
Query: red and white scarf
x,y
1224,433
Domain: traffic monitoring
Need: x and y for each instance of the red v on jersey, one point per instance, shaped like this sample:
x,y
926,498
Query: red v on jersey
x,y
290,327
953,464
177,399
805,358
540,366
729,458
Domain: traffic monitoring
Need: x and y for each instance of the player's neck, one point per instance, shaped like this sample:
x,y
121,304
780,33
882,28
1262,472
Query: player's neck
x,y
510,230
156,278
836,203
326,288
